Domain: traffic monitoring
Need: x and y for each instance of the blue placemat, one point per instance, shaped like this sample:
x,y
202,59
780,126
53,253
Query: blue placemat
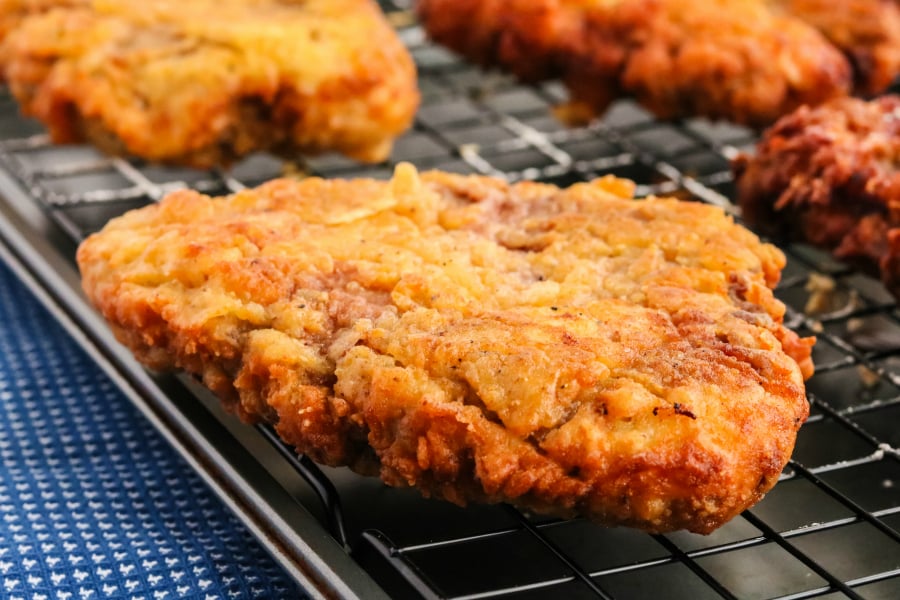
x,y
93,502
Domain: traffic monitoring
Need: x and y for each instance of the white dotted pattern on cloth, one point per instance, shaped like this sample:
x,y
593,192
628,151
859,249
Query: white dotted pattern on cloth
x,y
93,502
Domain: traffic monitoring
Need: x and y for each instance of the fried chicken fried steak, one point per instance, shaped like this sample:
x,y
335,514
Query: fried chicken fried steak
x,y
866,31
12,12
739,60
205,82
829,176
571,351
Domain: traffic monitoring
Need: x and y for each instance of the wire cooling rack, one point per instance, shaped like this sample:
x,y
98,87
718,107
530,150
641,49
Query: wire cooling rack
x,y
829,529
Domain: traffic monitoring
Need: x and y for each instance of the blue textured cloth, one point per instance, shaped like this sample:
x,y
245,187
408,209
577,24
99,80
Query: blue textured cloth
x,y
93,502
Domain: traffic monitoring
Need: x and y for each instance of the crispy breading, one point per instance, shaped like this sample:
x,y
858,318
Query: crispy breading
x,y
205,82
733,59
12,12
867,31
569,351
829,176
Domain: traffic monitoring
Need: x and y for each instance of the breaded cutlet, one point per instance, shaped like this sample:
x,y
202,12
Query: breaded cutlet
x,y
738,60
829,176
205,82
570,351
12,12
866,31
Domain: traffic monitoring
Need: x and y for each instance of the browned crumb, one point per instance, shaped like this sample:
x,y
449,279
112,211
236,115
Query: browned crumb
x,y
825,298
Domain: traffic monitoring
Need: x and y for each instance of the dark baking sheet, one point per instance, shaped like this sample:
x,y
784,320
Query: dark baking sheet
x,y
829,529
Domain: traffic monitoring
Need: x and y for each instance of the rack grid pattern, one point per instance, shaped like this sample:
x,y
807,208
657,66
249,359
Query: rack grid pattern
x,y
829,529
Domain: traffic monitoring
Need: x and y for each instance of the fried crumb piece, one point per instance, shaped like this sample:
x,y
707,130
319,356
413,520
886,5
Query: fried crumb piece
x,y
826,298
867,376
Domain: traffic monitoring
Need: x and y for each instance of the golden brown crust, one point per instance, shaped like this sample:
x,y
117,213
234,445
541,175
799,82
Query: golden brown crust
x,y
12,12
737,60
829,176
866,31
569,351
205,82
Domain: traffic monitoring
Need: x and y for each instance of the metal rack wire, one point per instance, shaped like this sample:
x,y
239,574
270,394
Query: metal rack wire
x,y
829,529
